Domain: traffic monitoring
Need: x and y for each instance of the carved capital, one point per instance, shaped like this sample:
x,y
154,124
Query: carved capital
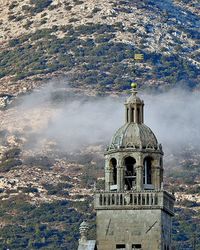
x,y
138,167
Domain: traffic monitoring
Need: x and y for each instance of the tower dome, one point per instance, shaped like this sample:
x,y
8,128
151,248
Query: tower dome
x,y
133,135
134,157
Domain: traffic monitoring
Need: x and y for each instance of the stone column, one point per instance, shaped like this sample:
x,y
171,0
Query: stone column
x,y
120,177
142,113
135,113
156,177
108,178
126,113
161,176
139,178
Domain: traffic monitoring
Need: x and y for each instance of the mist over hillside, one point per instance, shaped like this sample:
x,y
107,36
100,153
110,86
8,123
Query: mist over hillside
x,y
54,132
52,144
74,121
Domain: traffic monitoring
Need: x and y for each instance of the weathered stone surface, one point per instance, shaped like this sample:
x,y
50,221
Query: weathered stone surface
x,y
87,245
134,212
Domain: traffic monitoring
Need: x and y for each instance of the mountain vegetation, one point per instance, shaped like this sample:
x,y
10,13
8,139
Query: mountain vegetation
x,y
44,198
94,43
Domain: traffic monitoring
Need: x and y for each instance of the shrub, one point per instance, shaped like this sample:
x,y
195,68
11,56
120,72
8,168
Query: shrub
x,y
8,164
95,10
13,5
39,5
28,189
73,20
78,2
57,189
12,153
27,24
11,17
41,161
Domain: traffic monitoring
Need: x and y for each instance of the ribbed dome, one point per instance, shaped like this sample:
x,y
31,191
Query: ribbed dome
x,y
134,135
134,99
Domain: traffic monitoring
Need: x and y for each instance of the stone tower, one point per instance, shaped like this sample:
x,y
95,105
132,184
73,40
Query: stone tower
x,y
134,212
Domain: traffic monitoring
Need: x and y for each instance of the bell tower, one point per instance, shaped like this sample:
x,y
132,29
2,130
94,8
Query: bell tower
x,y
134,212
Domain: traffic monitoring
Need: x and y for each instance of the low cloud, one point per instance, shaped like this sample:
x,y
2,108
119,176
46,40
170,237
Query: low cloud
x,y
79,120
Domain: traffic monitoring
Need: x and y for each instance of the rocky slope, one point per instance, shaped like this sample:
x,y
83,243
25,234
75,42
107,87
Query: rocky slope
x,y
46,194
93,42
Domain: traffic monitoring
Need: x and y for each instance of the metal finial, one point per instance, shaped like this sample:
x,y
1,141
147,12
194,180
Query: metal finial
x,y
134,88
133,85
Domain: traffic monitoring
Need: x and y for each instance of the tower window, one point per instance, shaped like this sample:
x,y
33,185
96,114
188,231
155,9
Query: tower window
x,y
147,170
120,246
130,175
127,115
132,114
136,246
138,115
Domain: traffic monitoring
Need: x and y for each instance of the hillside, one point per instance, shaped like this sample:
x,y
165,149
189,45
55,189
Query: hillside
x,y
52,139
93,42
52,143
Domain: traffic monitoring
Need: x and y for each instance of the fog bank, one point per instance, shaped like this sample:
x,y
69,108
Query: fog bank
x,y
79,120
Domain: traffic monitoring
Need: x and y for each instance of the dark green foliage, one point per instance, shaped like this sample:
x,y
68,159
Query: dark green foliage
x,y
41,161
13,5
13,42
73,20
186,229
181,174
99,60
10,159
12,153
38,5
11,17
8,164
43,33
125,10
68,8
104,38
48,226
15,18
59,189
28,189
78,2
95,10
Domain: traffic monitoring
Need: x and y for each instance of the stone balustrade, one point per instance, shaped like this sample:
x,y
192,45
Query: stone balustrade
x,y
135,200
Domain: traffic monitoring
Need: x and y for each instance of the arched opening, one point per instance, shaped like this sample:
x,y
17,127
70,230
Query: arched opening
x,y
100,199
161,162
138,115
132,114
130,174
127,115
113,165
147,176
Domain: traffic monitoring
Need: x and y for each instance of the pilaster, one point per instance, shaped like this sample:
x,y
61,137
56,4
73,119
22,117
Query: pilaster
x,y
120,178
139,177
108,178
157,177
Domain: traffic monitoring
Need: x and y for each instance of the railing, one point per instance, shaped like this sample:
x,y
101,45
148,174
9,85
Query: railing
x,y
134,200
